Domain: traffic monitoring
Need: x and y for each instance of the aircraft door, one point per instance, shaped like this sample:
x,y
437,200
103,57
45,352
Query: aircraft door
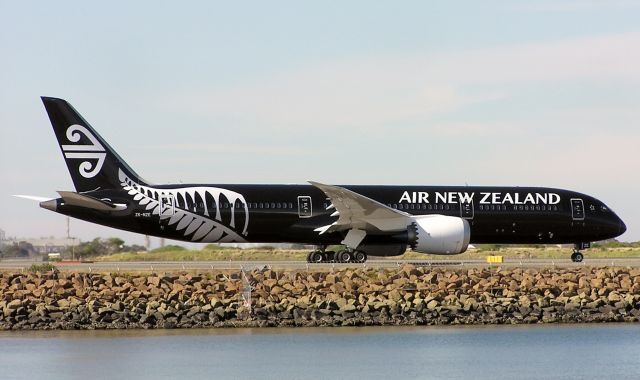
x,y
577,209
167,206
304,206
466,209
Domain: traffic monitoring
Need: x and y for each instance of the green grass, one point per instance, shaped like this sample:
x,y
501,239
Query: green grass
x,y
42,268
215,253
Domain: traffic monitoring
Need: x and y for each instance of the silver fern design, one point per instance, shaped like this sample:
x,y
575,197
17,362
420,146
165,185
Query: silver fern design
x,y
203,225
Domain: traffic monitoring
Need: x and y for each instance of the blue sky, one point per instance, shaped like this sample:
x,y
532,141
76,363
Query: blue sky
x,y
540,93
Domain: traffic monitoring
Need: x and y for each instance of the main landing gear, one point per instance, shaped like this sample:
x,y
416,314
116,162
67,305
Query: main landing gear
x,y
345,255
577,256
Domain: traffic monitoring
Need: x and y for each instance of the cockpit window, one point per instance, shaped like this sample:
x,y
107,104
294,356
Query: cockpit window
x,y
604,208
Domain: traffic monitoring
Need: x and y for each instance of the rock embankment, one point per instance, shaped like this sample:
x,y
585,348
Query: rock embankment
x,y
346,297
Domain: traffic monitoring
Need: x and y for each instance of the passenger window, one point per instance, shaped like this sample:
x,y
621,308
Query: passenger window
x,y
291,205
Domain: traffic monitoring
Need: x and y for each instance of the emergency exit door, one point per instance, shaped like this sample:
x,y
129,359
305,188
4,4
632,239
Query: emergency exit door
x,y
466,209
304,206
167,205
577,209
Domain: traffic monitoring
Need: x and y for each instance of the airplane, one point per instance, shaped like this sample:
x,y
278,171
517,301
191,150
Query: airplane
x,y
363,220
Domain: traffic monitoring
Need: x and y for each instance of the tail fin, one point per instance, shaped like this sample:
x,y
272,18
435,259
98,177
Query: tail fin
x,y
92,163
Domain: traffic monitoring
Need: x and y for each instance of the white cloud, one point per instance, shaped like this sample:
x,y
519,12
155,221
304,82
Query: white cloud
x,y
576,5
375,91
234,148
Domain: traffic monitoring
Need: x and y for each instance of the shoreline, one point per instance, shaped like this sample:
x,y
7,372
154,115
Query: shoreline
x,y
406,296
338,330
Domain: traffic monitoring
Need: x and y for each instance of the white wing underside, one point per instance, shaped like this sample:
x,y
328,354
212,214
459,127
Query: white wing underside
x,y
358,212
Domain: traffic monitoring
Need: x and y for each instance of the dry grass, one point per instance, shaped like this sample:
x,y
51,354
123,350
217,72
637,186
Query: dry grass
x,y
256,254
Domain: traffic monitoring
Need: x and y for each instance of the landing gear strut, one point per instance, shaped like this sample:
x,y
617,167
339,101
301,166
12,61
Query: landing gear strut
x,y
345,255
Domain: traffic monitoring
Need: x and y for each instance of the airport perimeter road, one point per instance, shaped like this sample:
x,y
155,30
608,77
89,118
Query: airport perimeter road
x,y
22,265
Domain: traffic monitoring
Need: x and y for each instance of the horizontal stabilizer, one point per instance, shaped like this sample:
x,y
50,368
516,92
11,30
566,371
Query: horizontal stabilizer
x,y
74,199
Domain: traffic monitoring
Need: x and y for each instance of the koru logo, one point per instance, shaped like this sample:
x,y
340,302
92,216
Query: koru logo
x,y
95,151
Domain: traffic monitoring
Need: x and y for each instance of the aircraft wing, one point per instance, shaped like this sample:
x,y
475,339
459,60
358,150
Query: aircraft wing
x,y
355,211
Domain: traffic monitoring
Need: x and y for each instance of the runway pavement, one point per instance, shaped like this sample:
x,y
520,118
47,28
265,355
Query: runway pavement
x,y
23,265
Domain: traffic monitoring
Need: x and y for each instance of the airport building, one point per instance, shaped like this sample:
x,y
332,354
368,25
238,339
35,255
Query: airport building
x,y
30,247
50,245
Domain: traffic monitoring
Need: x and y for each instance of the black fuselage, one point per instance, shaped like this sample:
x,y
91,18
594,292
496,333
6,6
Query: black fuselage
x,y
291,213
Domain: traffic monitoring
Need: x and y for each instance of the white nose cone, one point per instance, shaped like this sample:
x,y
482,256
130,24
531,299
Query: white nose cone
x,y
50,205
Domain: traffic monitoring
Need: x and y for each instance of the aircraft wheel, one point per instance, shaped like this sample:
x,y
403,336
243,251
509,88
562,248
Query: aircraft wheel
x,y
359,257
344,256
316,257
577,257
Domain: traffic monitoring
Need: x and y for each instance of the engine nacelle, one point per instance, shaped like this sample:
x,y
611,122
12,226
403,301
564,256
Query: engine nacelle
x,y
439,234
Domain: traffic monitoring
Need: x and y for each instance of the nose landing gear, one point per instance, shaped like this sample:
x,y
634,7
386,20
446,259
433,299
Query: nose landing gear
x,y
577,256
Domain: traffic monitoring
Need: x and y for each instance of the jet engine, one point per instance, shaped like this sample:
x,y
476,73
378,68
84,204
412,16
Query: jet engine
x,y
439,234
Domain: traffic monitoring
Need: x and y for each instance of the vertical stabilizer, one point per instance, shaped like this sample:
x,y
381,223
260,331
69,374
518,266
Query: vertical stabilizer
x,y
92,163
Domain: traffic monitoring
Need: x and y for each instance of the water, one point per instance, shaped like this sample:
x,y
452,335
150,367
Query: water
x,y
536,352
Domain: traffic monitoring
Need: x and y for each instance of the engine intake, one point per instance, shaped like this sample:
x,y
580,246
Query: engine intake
x,y
439,234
